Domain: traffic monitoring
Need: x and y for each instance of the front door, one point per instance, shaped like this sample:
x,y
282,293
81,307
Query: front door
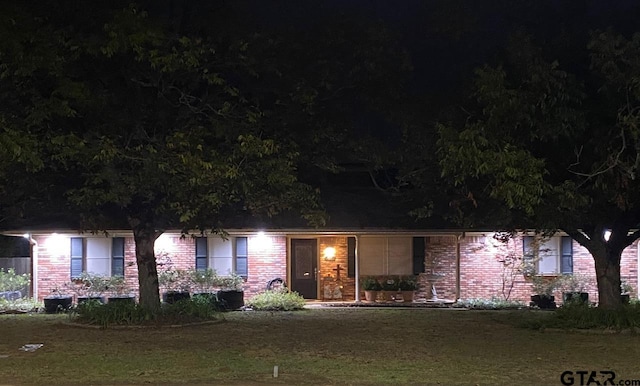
x,y
304,267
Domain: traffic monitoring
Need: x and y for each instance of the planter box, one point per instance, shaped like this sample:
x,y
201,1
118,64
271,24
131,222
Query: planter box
x,y
544,302
575,297
230,299
53,305
122,299
212,298
174,296
82,299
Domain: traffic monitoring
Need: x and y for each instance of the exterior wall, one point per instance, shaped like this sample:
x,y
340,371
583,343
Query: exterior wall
x,y
440,259
267,260
482,275
327,275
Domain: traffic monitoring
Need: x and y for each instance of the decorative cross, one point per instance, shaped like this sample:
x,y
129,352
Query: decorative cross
x,y
338,269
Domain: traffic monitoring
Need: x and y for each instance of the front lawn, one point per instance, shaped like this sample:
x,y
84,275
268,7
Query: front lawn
x,y
318,346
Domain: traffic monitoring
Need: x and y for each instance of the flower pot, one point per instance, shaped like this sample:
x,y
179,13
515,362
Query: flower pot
x,y
171,297
57,304
544,302
370,295
625,298
407,296
231,299
575,297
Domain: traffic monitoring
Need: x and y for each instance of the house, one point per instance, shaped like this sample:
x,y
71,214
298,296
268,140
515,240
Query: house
x,y
325,264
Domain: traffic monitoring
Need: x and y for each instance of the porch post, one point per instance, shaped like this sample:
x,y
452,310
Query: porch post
x,y
458,238
33,247
357,273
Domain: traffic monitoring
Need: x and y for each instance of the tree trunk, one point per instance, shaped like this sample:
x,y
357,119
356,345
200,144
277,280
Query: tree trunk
x,y
608,276
147,270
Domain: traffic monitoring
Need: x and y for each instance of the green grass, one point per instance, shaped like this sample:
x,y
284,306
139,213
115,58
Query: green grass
x,y
318,346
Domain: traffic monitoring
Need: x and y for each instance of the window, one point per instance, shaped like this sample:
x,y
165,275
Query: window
x,y
386,255
98,255
551,256
242,255
77,256
201,253
225,256
117,256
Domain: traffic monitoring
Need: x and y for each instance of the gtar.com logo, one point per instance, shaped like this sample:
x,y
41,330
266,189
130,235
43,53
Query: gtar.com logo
x,y
586,378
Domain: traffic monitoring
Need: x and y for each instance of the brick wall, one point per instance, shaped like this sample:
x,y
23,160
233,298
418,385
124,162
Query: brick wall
x,y
327,275
481,273
267,260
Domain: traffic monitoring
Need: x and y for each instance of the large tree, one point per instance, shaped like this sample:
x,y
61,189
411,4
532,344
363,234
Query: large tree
x,y
555,148
179,116
138,123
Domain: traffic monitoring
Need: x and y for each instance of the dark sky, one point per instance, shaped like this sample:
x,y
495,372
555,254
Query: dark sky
x,y
447,39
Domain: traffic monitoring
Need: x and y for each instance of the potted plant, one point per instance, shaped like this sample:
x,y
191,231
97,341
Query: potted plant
x,y
90,286
573,289
176,284
59,300
118,290
371,287
543,288
231,293
204,284
408,285
389,289
625,291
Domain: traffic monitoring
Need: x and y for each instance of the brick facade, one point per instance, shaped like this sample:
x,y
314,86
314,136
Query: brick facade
x,y
481,275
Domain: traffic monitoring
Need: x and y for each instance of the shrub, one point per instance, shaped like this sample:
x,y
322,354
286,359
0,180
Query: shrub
x,y
370,283
277,300
21,305
582,316
10,281
490,304
126,313
198,308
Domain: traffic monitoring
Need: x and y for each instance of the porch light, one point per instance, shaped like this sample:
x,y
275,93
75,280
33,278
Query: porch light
x,y
607,235
263,242
57,245
164,243
329,253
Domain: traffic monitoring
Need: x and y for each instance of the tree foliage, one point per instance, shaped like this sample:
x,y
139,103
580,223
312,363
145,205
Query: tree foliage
x,y
558,148
170,115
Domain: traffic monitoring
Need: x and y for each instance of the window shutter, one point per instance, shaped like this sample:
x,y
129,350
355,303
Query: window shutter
x,y
351,257
566,257
201,253
242,254
527,252
117,256
77,253
418,255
